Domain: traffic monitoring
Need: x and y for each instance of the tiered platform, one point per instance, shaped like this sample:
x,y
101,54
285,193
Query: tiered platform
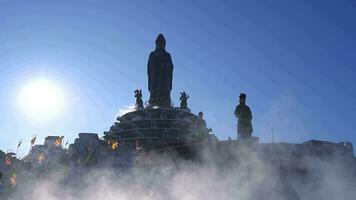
x,y
154,126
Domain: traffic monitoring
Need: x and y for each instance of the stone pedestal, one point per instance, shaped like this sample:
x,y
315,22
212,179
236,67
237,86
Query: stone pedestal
x,y
155,127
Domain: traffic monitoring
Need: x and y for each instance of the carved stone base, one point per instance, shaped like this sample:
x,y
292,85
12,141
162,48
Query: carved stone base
x,y
155,126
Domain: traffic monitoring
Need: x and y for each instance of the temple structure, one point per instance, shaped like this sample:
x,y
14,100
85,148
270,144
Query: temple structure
x,y
158,123
139,138
159,126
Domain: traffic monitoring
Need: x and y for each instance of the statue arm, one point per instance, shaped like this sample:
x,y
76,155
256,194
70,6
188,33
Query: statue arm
x,y
236,113
148,74
249,114
149,64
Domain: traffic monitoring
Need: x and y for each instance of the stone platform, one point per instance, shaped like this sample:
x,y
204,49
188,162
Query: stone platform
x,y
155,127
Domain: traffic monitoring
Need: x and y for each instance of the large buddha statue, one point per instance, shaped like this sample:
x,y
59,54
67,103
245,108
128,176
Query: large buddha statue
x,y
160,71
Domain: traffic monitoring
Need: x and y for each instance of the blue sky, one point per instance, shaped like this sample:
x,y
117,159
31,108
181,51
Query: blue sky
x,y
294,59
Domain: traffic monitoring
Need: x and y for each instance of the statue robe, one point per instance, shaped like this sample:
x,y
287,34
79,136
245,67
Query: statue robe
x,y
244,115
160,71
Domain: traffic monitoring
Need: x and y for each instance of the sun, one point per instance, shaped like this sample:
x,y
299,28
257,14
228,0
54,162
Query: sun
x,y
41,99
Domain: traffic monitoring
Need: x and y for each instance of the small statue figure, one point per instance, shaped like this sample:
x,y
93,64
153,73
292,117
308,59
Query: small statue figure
x,y
244,116
203,131
201,122
138,95
184,100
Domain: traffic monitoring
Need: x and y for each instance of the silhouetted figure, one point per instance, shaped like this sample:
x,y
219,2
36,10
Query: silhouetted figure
x,y
201,122
184,100
203,131
244,116
138,95
160,71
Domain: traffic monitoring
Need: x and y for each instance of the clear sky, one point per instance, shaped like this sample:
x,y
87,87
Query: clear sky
x,y
294,59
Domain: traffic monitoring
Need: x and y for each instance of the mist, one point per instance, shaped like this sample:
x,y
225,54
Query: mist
x,y
234,172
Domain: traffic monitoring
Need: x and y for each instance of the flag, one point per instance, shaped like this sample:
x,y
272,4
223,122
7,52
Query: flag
x,y
33,140
114,145
20,142
58,141
8,160
17,149
13,180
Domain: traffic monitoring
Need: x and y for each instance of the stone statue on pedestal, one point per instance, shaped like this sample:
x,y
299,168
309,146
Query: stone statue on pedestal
x,y
184,100
160,72
244,116
203,131
138,96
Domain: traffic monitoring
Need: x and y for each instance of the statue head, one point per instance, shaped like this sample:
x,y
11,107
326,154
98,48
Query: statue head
x,y
160,42
200,115
242,98
138,93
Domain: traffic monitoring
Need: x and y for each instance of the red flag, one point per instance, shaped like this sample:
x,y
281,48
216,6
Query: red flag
x,y
8,160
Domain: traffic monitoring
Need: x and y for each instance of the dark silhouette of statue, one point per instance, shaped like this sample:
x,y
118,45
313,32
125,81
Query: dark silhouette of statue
x,y
160,71
203,131
138,96
244,116
184,100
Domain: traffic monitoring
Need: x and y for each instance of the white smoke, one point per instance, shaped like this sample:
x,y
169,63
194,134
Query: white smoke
x,y
125,109
286,118
234,174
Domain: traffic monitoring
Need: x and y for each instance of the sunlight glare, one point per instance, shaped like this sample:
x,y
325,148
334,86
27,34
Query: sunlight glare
x,y
41,100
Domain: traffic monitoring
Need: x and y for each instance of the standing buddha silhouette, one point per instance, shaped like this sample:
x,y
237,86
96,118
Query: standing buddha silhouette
x,y
160,75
